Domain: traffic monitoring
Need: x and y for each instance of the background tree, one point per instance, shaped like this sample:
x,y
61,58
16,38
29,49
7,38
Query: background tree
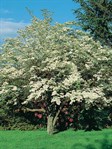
x,y
95,16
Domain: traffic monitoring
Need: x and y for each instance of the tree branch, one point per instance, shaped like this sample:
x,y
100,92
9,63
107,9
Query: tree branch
x,y
30,110
56,117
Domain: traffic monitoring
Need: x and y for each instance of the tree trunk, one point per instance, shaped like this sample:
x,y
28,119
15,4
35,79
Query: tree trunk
x,y
51,122
50,126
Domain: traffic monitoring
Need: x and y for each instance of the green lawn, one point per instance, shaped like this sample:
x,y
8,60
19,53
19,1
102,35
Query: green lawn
x,y
64,140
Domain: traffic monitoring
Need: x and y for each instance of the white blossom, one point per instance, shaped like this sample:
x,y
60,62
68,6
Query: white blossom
x,y
14,88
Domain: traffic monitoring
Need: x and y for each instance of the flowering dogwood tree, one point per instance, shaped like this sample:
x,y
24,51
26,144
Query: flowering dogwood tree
x,y
54,64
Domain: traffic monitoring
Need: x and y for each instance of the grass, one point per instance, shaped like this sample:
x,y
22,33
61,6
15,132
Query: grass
x,y
64,140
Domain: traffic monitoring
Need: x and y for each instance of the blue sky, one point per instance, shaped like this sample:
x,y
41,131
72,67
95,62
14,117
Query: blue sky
x,y
14,15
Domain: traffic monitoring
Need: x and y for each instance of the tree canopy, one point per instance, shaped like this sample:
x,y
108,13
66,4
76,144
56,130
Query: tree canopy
x,y
95,16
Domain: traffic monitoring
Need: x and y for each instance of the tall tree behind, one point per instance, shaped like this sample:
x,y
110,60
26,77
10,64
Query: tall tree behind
x,y
95,16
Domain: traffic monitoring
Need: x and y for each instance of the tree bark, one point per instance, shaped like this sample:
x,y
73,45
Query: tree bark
x,y
51,122
50,126
29,110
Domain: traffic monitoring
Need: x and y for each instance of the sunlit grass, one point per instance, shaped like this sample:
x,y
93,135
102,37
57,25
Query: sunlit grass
x,y
63,140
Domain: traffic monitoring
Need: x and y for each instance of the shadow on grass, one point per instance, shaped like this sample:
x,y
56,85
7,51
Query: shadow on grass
x,y
103,144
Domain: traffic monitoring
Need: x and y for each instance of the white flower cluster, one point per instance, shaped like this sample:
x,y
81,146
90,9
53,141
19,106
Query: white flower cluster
x,y
46,58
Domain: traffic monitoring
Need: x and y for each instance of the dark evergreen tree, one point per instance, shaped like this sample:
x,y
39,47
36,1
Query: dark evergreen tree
x,y
95,16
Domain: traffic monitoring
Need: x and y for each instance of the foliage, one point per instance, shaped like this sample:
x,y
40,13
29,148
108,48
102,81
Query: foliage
x,y
54,64
96,17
